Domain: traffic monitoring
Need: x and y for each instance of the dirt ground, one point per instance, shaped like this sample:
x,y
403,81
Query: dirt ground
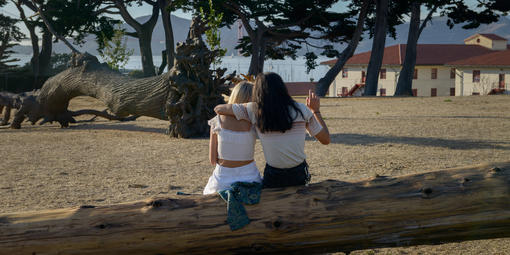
x,y
105,162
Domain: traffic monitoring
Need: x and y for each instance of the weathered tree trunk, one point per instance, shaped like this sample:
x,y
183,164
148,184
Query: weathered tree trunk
x,y
169,34
144,34
144,42
34,61
445,206
376,57
45,54
324,83
7,101
258,53
186,95
405,78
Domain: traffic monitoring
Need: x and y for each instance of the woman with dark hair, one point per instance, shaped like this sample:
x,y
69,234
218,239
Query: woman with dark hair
x,y
281,124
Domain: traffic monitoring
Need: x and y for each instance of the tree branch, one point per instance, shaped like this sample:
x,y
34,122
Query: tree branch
x,y
106,9
126,16
237,10
50,28
154,17
429,16
132,34
293,24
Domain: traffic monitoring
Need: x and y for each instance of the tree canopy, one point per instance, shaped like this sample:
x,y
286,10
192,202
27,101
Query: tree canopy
x,y
279,28
10,35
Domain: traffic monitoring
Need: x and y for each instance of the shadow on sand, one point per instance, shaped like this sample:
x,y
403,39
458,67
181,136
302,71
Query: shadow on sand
x,y
364,139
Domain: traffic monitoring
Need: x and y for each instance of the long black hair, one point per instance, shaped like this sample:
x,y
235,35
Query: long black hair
x,y
274,104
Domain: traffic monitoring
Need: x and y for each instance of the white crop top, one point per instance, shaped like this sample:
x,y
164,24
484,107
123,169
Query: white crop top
x,y
282,150
233,145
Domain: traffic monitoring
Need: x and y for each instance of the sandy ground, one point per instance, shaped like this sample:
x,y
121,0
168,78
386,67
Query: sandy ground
x,y
105,162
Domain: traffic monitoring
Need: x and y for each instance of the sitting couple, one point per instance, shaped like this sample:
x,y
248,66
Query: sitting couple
x,y
265,109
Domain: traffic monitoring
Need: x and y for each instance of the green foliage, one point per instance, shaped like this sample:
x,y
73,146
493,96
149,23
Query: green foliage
x,y
10,35
212,34
115,52
288,25
77,19
310,61
60,61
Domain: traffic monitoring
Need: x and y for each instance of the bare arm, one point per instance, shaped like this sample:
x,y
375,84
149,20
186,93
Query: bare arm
x,y
313,102
213,148
224,109
323,135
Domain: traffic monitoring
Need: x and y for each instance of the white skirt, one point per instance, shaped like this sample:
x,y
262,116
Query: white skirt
x,y
223,177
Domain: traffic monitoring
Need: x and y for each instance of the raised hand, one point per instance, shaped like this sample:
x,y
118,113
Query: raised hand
x,y
313,101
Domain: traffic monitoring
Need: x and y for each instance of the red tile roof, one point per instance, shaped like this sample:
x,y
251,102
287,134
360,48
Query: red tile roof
x,y
427,54
495,58
300,88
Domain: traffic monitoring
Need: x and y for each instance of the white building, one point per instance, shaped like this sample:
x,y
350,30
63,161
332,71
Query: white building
x,y
479,66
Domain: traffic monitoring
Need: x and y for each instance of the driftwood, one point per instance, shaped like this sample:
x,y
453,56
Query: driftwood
x,y
429,208
11,101
7,101
186,95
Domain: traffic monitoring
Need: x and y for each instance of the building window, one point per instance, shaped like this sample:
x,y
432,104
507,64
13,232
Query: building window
x,y
476,76
363,76
415,75
433,73
382,92
452,73
433,92
383,74
345,73
415,92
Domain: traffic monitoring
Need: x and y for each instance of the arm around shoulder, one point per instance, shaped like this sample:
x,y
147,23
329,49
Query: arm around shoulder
x,y
224,109
213,148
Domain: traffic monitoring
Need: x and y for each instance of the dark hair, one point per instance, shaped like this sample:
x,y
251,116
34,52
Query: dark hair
x,y
274,103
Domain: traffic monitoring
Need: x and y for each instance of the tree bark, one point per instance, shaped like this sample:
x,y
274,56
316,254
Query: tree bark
x,y
144,42
324,83
34,61
169,34
376,57
405,79
258,51
186,95
45,54
143,33
450,205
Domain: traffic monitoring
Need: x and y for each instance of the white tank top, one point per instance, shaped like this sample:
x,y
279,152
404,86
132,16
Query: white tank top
x,y
233,145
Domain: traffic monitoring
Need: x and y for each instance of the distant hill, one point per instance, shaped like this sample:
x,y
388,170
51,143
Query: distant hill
x,y
438,32
435,32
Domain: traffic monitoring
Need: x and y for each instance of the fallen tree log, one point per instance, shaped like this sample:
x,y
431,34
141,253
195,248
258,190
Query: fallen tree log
x,y
436,207
186,95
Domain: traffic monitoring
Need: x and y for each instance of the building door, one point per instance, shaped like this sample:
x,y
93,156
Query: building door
x,y
382,92
345,91
501,80
433,92
452,92
363,76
